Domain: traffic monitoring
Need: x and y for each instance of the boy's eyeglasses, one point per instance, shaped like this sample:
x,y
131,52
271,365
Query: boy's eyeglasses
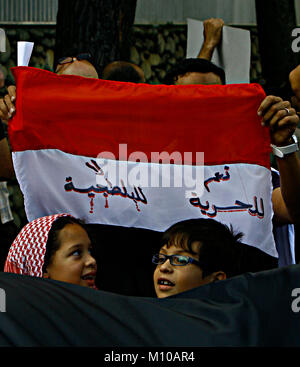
x,y
176,260
69,59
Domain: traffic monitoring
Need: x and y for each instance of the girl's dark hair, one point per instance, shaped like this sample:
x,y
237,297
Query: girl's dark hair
x,y
53,243
220,247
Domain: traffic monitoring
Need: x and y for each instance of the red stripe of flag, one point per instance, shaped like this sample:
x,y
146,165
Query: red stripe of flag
x,y
87,116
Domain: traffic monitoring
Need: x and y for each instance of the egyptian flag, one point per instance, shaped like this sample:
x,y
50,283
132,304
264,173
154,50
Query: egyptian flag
x,y
141,156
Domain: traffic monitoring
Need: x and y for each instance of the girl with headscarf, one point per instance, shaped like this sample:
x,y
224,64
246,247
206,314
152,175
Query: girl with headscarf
x,y
54,247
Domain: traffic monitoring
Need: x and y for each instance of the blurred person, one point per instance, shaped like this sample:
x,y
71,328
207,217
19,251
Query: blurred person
x,y
294,81
6,167
8,227
195,71
2,78
123,71
80,65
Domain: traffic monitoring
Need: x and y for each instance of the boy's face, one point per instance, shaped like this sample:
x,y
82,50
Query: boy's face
x,y
170,279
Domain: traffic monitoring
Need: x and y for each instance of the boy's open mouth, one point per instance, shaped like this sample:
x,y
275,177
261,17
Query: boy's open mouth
x,y
165,284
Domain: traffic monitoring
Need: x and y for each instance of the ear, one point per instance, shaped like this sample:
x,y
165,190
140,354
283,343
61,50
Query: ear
x,y
219,275
213,277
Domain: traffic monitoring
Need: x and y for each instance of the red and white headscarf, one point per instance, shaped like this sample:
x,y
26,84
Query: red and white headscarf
x,y
26,254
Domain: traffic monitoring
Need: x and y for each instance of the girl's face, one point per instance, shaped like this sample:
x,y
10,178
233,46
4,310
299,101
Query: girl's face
x,y
73,262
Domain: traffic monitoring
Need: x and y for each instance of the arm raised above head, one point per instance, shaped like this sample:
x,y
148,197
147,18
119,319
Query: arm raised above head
x,y
212,37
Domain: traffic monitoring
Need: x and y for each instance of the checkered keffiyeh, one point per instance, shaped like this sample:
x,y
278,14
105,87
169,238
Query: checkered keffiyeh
x,y
26,254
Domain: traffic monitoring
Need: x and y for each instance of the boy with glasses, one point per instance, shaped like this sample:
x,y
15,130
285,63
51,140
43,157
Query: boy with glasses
x,y
196,252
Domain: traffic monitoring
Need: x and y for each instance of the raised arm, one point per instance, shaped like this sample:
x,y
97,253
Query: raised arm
x,y
212,36
282,121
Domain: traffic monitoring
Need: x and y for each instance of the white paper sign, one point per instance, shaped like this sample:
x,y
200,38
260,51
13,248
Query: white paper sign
x,y
233,54
24,52
2,40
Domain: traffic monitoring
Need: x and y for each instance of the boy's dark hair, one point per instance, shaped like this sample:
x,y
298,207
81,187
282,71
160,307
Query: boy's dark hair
x,y
53,243
121,71
220,248
193,65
